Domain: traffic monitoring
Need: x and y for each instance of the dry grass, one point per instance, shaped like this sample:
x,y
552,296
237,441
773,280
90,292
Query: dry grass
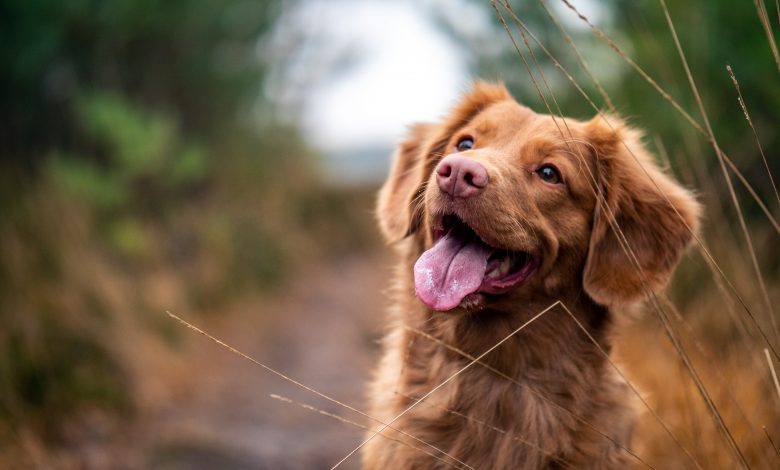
x,y
739,390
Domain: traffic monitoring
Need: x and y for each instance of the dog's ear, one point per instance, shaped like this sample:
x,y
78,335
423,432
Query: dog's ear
x,y
654,216
399,204
396,208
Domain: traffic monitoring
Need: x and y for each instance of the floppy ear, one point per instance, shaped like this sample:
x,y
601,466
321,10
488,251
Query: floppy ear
x,y
395,209
398,206
655,215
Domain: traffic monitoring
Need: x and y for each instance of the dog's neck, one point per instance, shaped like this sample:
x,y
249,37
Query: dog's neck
x,y
535,336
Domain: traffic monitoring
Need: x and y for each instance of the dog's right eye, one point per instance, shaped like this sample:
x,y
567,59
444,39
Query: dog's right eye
x,y
549,174
466,143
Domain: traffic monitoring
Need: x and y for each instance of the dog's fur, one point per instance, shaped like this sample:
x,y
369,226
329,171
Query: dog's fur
x,y
563,405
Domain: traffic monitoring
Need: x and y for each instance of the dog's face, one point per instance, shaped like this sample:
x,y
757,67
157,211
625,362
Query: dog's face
x,y
507,204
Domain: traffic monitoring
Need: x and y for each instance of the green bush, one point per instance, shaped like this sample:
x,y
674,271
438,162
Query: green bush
x,y
54,373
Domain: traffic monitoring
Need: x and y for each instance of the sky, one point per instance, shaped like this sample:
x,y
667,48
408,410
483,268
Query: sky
x,y
400,68
411,73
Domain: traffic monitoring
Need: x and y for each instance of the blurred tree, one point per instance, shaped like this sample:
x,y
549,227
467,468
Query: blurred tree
x,y
196,60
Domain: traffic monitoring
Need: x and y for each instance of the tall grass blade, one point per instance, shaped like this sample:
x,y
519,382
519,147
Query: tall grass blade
x,y
299,384
308,407
763,17
753,128
772,369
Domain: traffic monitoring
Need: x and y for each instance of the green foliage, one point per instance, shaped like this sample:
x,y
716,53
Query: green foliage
x,y
147,167
713,34
137,142
49,376
128,237
86,181
256,255
196,58
140,147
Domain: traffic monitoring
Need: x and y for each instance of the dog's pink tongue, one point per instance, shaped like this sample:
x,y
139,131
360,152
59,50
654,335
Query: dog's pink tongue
x,y
451,270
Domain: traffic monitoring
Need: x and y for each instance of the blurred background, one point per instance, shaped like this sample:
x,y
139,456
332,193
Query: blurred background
x,y
219,159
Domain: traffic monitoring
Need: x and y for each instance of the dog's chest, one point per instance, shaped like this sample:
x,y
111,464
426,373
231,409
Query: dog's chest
x,y
508,420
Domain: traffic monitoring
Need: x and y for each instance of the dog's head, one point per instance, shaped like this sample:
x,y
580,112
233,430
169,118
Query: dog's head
x,y
504,202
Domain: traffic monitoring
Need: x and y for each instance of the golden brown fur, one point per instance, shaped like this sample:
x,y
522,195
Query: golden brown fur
x,y
547,398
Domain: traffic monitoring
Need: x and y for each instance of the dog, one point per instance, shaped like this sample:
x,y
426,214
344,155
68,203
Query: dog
x,y
497,213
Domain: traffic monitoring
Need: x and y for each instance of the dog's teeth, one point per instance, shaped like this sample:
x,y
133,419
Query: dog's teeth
x,y
505,265
501,269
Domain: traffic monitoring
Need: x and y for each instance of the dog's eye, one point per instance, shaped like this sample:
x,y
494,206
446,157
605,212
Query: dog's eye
x,y
466,143
549,174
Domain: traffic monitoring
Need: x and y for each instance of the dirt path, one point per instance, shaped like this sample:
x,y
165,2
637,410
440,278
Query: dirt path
x,y
322,331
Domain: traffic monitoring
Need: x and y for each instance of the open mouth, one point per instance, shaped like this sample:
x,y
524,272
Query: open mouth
x,y
461,269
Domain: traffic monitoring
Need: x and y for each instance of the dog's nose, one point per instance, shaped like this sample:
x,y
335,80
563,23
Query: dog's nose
x,y
461,177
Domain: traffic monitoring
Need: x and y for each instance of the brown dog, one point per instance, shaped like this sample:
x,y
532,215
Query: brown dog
x,y
497,213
